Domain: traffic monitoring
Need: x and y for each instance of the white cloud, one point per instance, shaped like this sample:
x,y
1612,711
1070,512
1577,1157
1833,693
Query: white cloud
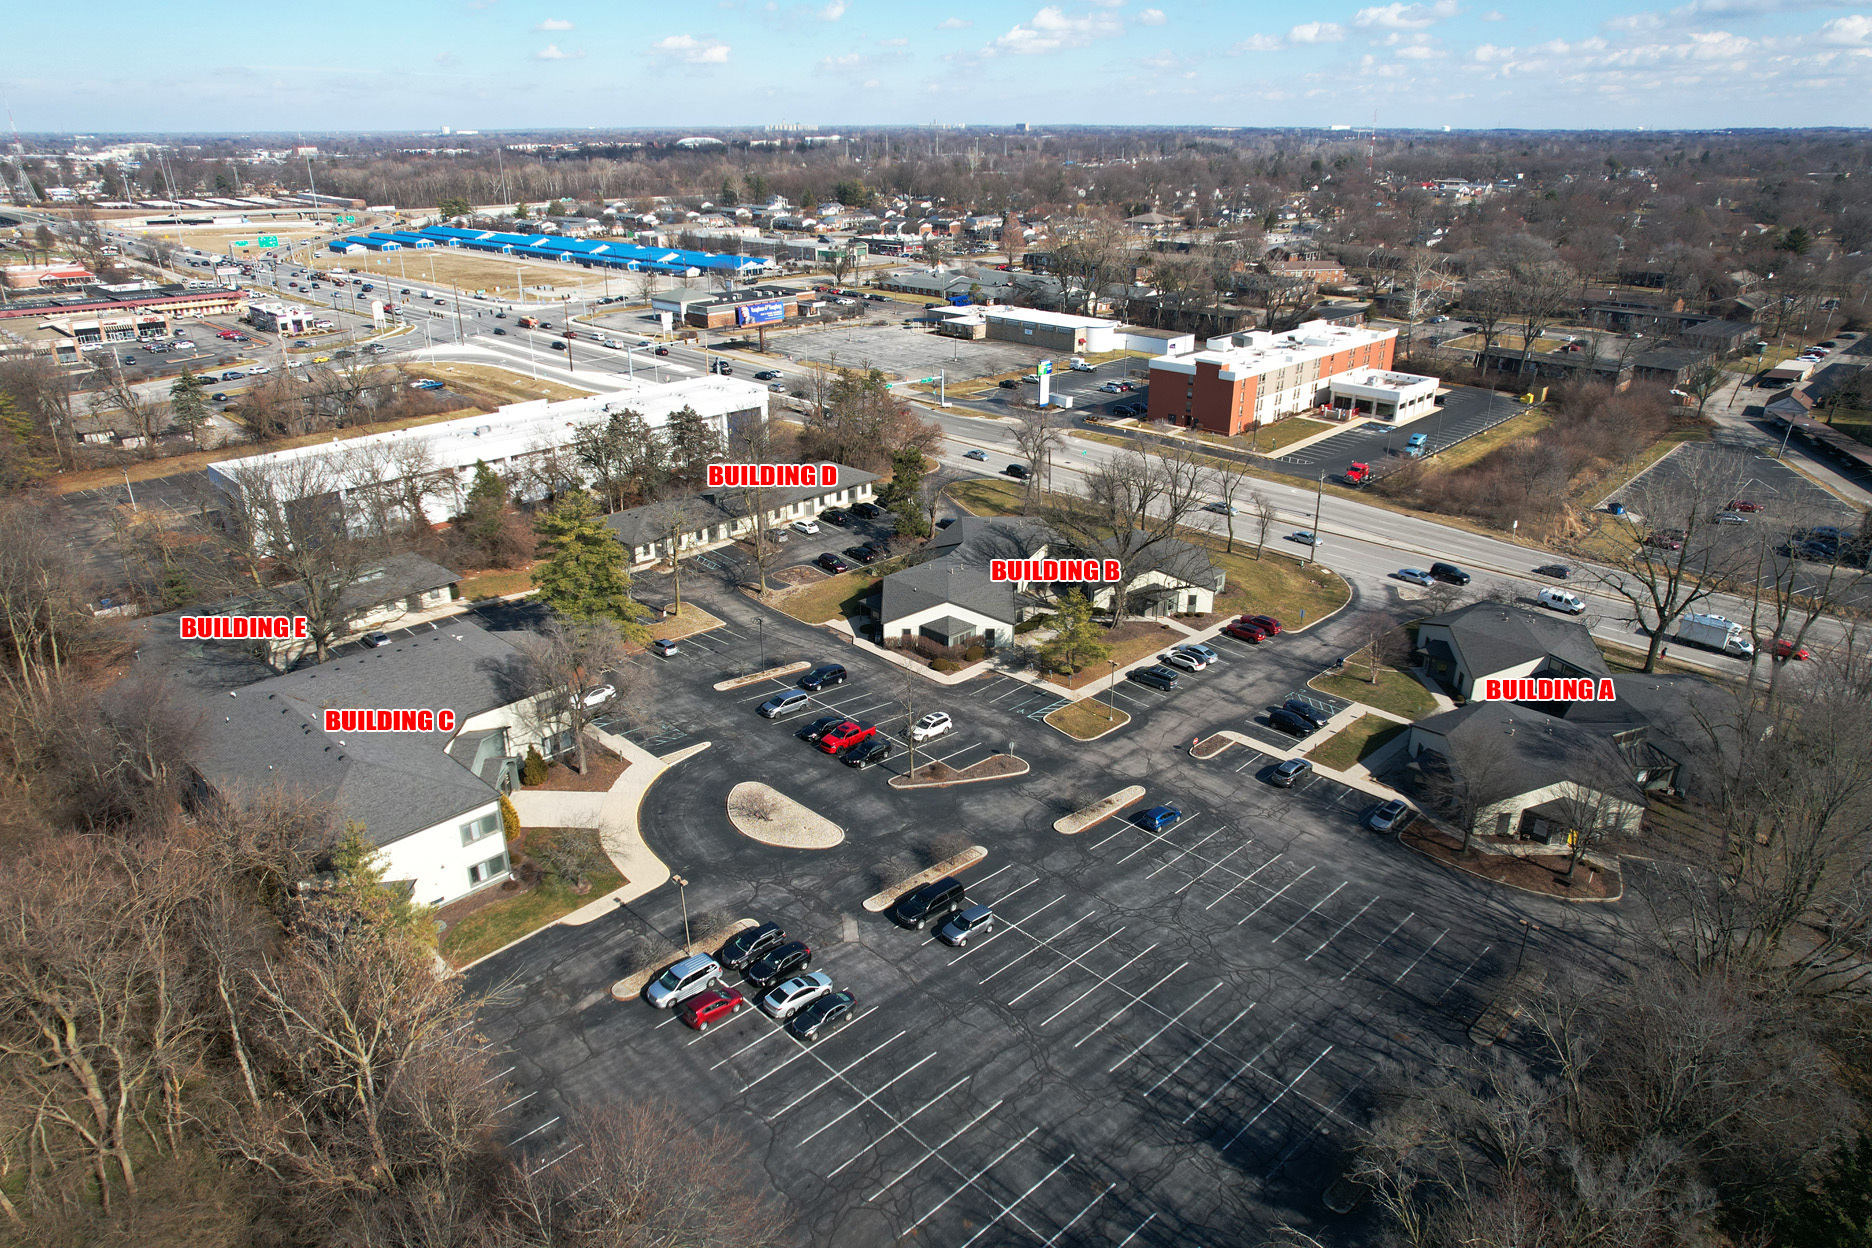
x,y
954,23
1052,29
551,52
1489,54
1257,43
447,60
841,62
893,43
692,50
1418,52
1152,17
1852,31
1398,16
1752,8
833,11
1316,32
1494,15
554,23
1636,23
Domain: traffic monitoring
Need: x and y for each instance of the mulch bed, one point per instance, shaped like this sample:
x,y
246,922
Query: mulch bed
x,y
602,770
1211,746
796,576
942,773
1544,873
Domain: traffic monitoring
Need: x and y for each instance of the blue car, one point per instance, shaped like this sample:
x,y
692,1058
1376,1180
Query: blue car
x,y
1157,818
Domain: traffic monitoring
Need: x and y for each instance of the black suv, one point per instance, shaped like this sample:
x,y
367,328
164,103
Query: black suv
x,y
822,676
835,517
789,959
1307,711
819,727
920,906
867,511
1157,677
1449,572
1289,723
748,946
1018,471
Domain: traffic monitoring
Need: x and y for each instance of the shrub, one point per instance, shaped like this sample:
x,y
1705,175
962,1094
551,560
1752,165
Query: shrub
x,y
510,818
533,770
975,654
1036,622
945,665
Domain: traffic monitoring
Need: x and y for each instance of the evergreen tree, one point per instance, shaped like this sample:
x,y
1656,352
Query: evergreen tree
x,y
454,206
693,442
188,402
626,458
1837,1211
583,573
533,770
20,461
361,904
1075,641
484,510
903,495
729,196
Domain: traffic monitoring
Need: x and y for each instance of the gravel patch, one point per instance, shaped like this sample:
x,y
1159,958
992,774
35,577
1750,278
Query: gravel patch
x,y
763,813
741,682
1086,816
940,775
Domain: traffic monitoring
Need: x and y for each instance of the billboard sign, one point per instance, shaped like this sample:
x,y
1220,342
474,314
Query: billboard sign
x,y
766,313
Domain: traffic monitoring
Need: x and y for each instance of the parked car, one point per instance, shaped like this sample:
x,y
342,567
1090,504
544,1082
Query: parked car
x,y
829,1012
375,640
1209,653
1306,537
711,1006
1266,623
1415,576
870,754
795,995
835,517
832,563
1290,772
781,962
1244,632
1743,504
927,902
823,676
1289,723
1559,571
1449,572
1663,541
1730,517
789,703
974,453
1032,379
1307,711
695,974
1184,660
805,524
976,920
219,397
750,945
863,554
1010,384
867,511
845,735
1388,817
1157,818
931,726
598,694
665,647
1157,677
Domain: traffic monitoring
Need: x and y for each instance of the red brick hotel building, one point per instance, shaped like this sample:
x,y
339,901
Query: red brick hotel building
x,y
1240,380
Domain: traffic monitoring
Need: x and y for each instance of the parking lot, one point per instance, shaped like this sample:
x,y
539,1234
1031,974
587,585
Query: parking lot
x,y
1466,412
887,345
1170,1036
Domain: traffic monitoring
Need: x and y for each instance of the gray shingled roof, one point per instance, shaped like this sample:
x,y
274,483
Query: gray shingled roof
x,y
635,526
1544,749
947,582
270,735
1492,636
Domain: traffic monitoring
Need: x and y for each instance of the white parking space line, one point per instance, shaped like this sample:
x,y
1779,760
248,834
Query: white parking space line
x,y
1337,930
1159,837
1072,1221
997,871
931,1152
1017,888
535,1131
1239,1071
860,1105
1139,1231
1375,948
1190,1056
510,1104
1100,983
1271,898
898,1126
1113,1017
952,754
1063,967
835,1075
1420,957
1040,942
794,1057
1310,912
1192,849
1212,866
1464,975
1277,1098
502,1075
1009,1208
1124,826
1012,927
1174,1020
970,1181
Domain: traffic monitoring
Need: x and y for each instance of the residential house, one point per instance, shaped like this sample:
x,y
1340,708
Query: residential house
x,y
1491,640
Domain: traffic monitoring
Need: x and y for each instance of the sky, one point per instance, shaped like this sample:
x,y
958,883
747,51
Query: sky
x,y
217,66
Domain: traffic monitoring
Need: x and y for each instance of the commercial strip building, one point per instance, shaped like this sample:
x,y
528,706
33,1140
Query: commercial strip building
x,y
592,253
1380,394
283,318
512,440
1241,380
65,323
1055,331
716,517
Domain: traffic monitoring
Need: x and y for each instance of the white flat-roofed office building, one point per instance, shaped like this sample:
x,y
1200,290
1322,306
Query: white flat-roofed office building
x,y
509,441
1384,395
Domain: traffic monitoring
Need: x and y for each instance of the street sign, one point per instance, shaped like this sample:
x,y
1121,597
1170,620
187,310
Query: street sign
x,y
269,240
350,220
243,242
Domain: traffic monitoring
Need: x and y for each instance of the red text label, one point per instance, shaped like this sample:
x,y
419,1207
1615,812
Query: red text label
x,y
1545,690
1050,570
389,721
721,475
244,627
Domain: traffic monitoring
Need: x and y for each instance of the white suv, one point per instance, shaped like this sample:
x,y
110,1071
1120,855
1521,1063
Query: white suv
x,y
931,726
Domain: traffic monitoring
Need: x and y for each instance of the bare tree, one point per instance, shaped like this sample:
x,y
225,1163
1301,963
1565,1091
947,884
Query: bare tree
x,y
563,660
1131,508
1038,432
1421,282
1488,299
673,517
1228,478
1262,515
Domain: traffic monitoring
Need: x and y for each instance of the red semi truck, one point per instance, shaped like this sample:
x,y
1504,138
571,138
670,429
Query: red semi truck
x,y
1358,474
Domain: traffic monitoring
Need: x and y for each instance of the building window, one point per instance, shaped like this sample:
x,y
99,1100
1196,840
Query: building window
x,y
482,872
487,825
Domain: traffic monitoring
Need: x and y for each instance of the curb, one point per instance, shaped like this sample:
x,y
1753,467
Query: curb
x,y
962,777
1105,807
838,833
1122,723
1202,754
634,983
742,682
877,903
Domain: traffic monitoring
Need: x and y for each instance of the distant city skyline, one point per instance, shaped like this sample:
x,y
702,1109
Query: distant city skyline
x,y
502,64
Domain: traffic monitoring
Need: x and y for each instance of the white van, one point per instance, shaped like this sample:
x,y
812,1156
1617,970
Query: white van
x,y
1561,600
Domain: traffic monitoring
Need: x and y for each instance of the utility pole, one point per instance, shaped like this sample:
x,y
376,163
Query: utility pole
x,y
1319,495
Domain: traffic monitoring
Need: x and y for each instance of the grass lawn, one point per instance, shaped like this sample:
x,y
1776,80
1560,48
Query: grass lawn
x,y
1397,692
1130,642
1854,422
1281,433
501,383
1356,741
1276,584
1087,718
985,496
1527,424
512,915
835,596
496,583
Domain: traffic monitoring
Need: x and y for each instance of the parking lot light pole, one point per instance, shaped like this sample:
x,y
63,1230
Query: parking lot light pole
x,y
1111,692
682,888
760,624
1527,926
